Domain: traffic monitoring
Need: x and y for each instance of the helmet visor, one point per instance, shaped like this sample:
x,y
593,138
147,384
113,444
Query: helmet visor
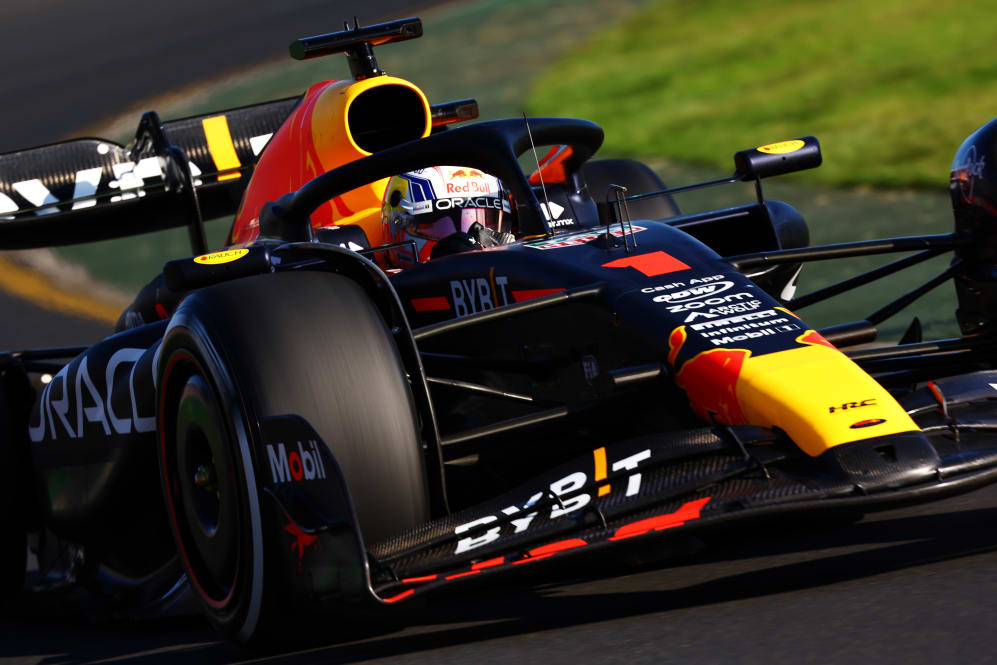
x,y
449,216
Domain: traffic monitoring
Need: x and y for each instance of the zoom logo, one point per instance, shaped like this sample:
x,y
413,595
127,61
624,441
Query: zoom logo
x,y
694,293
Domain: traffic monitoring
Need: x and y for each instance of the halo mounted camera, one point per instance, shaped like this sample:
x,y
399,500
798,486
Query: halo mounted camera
x,y
357,43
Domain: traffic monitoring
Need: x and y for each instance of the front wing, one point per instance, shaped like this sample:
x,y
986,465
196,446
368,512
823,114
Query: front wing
x,y
631,492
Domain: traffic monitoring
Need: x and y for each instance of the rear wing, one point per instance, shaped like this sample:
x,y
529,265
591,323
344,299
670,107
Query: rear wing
x,y
172,174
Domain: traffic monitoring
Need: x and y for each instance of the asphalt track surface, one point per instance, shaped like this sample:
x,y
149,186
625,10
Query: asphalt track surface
x,y
909,586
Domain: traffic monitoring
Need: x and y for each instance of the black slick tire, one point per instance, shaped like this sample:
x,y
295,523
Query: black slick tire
x,y
15,485
305,343
638,178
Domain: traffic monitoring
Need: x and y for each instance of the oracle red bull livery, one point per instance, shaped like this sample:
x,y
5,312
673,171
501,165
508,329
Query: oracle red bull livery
x,y
414,365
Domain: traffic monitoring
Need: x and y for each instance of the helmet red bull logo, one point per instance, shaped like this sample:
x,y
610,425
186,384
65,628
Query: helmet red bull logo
x,y
466,173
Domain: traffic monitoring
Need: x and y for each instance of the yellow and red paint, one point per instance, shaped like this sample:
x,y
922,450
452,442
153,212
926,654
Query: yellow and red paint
x,y
688,512
599,458
552,168
782,147
314,139
799,389
221,147
936,392
675,342
813,337
218,258
710,380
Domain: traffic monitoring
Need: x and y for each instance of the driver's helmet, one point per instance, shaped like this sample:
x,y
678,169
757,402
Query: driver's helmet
x,y
431,204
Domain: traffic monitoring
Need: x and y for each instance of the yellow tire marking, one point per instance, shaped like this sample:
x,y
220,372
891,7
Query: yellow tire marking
x,y
220,146
39,290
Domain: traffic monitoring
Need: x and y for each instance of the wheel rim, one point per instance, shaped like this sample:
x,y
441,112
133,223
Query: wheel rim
x,y
202,483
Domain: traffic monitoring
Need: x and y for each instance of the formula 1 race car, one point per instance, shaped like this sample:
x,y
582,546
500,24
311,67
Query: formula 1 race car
x,y
297,427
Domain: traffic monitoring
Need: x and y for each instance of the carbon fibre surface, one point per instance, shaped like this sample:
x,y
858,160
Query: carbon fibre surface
x,y
685,444
63,169
700,488
89,189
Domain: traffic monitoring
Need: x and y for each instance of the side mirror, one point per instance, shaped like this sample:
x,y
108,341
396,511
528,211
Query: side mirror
x,y
777,158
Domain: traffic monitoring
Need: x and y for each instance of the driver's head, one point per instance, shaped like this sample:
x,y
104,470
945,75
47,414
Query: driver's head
x,y
431,204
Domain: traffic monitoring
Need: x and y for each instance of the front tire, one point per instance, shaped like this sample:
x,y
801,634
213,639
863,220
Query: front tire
x,y
15,488
305,343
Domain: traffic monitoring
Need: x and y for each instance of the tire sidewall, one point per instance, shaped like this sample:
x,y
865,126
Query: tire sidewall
x,y
247,338
237,617
15,486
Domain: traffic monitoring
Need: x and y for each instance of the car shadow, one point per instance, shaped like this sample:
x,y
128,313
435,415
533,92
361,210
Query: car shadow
x,y
744,564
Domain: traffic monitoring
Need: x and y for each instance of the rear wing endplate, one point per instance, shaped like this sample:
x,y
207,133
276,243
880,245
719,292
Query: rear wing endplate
x,y
172,174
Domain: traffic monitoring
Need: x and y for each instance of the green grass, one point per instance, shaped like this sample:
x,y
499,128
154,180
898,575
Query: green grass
x,y
129,263
838,215
891,88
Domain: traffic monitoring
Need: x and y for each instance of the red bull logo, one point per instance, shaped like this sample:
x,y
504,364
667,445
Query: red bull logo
x,y
466,186
675,342
302,540
814,337
710,381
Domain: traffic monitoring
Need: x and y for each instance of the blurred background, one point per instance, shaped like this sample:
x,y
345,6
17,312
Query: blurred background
x,y
889,88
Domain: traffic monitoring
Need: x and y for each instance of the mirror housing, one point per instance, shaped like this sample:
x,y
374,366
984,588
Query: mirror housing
x,y
777,158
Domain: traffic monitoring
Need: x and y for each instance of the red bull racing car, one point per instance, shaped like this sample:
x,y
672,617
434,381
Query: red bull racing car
x,y
341,412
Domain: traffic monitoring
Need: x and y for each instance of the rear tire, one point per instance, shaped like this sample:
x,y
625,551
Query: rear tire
x,y
305,343
638,178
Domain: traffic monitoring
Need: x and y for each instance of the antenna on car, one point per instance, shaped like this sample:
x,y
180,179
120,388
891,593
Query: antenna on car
x,y
357,43
543,187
